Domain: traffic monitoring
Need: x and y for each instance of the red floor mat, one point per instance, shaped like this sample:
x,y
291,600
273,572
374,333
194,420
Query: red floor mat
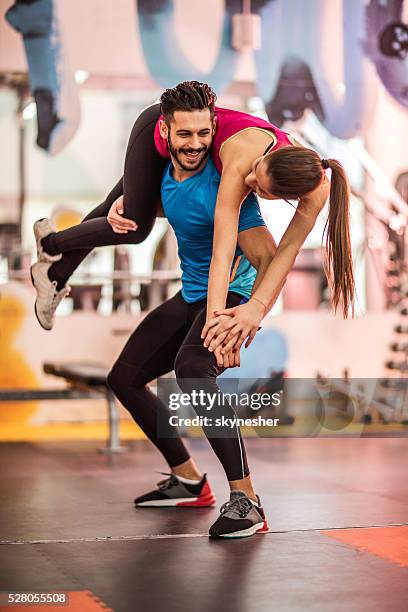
x,y
390,543
79,601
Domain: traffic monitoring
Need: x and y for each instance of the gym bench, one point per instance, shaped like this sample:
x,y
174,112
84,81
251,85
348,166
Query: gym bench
x,y
86,381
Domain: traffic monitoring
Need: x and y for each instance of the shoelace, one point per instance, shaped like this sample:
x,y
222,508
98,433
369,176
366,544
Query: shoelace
x,y
243,506
167,483
57,296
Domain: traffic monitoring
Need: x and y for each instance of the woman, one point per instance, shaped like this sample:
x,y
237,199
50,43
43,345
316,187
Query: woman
x,y
270,176
250,154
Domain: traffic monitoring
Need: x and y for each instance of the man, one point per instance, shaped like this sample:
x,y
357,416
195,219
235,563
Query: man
x,y
169,338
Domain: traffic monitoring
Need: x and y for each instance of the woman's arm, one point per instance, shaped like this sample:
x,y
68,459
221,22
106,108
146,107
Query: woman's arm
x,y
259,247
237,156
242,323
231,192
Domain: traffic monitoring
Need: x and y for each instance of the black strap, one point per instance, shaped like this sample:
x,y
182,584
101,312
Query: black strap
x,y
269,147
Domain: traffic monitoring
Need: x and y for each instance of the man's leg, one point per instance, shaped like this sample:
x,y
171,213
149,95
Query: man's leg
x,y
149,353
196,370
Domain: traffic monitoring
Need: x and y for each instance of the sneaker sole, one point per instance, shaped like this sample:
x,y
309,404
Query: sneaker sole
x,y
180,502
38,238
35,303
245,533
200,502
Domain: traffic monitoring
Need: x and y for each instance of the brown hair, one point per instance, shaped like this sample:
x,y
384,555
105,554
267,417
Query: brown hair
x,y
296,171
187,96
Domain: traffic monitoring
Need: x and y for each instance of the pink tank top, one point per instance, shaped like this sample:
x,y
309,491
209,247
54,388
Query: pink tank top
x,y
229,123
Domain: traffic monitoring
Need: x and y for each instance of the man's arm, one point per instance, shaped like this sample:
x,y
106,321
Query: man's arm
x,y
259,247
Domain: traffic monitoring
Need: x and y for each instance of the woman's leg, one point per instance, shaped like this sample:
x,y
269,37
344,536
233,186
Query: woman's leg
x,y
63,269
140,187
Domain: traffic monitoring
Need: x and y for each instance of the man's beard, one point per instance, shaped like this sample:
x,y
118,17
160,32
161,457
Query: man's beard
x,y
175,154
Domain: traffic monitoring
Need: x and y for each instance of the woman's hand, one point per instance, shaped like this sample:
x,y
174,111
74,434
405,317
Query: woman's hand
x,y
118,223
231,326
214,325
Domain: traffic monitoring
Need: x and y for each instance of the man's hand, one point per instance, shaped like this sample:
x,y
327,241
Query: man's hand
x,y
120,224
231,359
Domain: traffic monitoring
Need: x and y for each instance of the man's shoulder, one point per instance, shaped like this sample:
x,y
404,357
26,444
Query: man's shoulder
x,y
251,199
167,172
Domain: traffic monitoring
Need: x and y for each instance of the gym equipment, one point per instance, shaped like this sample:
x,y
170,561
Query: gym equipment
x,y
84,381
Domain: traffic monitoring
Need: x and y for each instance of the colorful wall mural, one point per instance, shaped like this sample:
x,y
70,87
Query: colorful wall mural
x,y
318,55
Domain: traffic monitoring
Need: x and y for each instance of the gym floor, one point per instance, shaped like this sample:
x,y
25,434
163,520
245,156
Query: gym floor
x,y
337,511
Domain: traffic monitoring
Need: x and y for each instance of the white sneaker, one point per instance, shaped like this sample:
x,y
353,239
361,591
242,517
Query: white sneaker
x,y
42,228
48,297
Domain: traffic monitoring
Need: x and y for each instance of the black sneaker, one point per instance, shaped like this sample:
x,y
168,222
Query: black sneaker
x,y
239,518
173,492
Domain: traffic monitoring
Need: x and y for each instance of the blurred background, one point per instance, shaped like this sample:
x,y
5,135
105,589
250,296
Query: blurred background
x,y
73,78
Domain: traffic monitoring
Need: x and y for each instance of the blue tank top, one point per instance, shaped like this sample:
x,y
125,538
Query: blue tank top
x,y
189,206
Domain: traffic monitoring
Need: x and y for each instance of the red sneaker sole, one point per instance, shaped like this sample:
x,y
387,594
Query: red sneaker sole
x,y
200,502
264,528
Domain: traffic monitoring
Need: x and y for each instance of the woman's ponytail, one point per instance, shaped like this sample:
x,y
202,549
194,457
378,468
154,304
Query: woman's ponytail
x,y
339,263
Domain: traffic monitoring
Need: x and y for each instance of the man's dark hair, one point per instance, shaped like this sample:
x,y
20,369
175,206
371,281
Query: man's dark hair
x,y
187,96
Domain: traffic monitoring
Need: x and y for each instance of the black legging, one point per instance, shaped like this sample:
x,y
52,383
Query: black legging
x,y
140,187
170,338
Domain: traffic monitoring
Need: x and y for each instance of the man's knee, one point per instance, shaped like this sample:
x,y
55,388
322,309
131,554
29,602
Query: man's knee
x,y
191,363
124,375
115,378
